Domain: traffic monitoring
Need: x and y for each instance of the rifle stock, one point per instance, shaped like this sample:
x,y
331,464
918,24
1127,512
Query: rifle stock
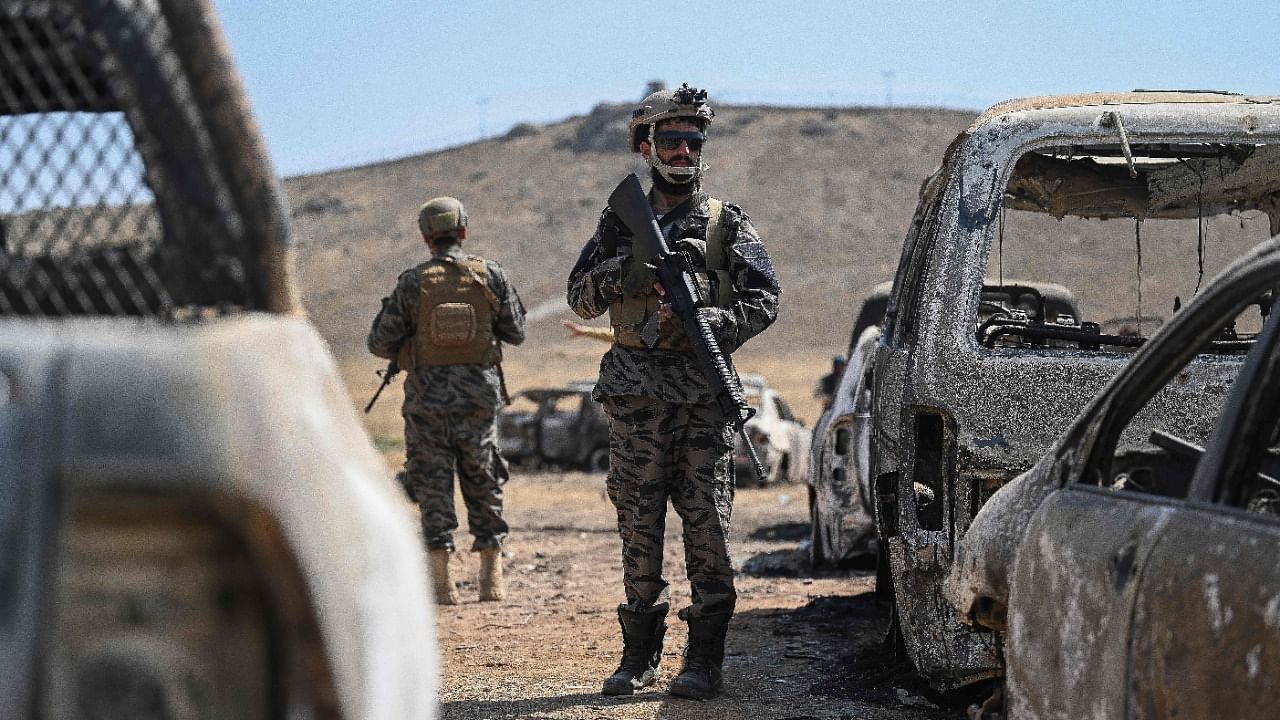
x,y
631,205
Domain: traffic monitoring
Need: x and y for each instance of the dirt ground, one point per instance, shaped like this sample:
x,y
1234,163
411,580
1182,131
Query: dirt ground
x,y
802,644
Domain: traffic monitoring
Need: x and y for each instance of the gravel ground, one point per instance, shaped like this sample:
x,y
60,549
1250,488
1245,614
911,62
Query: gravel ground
x,y
802,644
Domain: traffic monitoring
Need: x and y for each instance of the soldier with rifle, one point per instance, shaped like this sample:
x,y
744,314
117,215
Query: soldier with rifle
x,y
444,325
686,281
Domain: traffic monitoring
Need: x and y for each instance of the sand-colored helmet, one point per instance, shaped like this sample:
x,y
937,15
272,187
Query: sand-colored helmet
x,y
441,216
683,102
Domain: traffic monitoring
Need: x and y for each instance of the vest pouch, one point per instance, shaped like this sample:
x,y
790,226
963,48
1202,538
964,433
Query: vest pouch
x,y
455,314
453,324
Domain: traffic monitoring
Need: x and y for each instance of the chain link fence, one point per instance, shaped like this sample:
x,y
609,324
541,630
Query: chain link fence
x,y
124,187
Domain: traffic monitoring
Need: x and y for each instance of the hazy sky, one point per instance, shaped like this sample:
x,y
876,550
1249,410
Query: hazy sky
x,y
336,84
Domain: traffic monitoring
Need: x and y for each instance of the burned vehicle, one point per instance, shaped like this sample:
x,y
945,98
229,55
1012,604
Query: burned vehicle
x,y
194,522
556,427
1127,200
780,440
841,512
1141,547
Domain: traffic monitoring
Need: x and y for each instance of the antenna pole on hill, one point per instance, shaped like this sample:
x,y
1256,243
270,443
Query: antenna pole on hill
x,y
888,86
481,102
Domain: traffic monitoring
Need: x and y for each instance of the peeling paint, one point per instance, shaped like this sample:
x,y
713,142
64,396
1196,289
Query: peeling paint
x,y
1272,613
1218,616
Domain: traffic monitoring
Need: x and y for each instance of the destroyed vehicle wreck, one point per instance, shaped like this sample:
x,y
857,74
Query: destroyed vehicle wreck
x,y
1129,201
560,428
779,439
1138,554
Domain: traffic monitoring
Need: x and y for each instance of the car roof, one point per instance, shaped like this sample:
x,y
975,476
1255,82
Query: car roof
x,y
1136,97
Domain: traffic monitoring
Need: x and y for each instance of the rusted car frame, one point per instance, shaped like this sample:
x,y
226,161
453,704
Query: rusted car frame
x,y
958,411
1143,561
194,523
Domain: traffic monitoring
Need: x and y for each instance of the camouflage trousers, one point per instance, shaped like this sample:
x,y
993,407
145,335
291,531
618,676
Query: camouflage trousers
x,y
436,442
660,451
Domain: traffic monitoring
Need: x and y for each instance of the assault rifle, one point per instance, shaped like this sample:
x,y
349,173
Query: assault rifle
x,y
630,204
393,369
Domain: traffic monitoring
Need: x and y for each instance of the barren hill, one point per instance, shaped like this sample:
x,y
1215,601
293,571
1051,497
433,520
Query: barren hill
x,y
831,191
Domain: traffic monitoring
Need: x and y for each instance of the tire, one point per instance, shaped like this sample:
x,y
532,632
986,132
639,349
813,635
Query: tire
x,y
817,554
598,460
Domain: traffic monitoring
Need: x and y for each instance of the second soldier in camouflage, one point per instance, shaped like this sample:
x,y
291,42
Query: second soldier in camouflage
x,y
445,323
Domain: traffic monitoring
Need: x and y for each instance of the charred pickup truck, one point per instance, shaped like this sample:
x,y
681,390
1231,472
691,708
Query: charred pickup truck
x,y
193,524
556,427
1125,199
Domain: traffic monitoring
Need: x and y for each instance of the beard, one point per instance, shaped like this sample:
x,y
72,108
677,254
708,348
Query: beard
x,y
669,188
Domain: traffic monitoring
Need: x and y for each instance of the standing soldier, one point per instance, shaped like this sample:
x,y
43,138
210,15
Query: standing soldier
x,y
444,324
667,439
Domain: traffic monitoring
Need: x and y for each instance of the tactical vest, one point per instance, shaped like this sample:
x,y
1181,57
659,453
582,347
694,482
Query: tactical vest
x,y
455,316
630,315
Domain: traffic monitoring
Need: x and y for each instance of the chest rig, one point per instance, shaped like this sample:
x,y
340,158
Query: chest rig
x,y
634,317
455,314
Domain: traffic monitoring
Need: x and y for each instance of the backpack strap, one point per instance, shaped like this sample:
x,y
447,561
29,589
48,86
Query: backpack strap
x,y
717,261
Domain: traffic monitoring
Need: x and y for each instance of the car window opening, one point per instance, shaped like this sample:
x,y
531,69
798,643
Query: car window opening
x,y
1087,282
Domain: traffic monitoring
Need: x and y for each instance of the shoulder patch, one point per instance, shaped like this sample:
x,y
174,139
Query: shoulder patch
x,y
760,272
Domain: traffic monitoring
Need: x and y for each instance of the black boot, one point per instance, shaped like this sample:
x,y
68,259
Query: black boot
x,y
642,634
700,677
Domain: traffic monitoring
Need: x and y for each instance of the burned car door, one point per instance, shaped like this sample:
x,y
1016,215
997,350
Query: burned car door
x,y
1205,641
1141,588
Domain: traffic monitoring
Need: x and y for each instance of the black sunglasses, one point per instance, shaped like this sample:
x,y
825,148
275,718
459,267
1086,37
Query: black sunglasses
x,y
671,140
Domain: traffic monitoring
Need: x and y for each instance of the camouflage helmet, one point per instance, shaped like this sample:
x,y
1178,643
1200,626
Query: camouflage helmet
x,y
441,216
684,102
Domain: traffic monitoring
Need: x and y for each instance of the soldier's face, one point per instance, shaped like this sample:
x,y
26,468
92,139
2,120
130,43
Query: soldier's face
x,y
682,155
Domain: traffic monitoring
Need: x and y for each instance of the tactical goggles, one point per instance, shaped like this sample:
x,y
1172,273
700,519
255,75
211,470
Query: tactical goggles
x,y
671,139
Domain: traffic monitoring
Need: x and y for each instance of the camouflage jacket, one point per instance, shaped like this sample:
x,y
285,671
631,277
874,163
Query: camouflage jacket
x,y
596,281
456,387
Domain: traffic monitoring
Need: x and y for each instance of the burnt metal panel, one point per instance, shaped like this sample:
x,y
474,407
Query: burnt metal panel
x,y
1206,626
1072,601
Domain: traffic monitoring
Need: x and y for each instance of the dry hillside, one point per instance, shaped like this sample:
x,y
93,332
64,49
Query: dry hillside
x,y
831,191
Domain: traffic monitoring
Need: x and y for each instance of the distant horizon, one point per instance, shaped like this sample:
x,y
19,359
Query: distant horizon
x,y
568,118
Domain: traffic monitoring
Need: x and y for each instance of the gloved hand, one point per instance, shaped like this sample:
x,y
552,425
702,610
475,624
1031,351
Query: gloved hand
x,y
637,277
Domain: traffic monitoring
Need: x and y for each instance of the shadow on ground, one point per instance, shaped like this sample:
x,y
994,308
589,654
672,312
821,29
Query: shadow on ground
x,y
782,532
